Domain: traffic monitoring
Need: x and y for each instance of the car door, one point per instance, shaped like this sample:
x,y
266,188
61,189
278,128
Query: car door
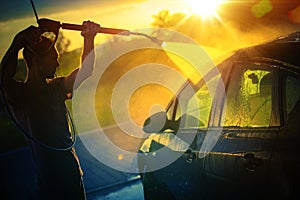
x,y
285,161
181,178
247,117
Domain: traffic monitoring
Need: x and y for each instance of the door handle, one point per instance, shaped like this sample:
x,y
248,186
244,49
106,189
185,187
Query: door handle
x,y
230,135
190,156
251,162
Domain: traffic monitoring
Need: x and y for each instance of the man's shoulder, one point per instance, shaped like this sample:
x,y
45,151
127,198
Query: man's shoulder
x,y
58,85
56,80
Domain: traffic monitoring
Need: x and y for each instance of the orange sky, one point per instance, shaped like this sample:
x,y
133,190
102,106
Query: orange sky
x,y
127,15
255,20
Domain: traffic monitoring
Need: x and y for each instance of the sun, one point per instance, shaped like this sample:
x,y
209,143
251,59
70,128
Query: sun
x,y
205,8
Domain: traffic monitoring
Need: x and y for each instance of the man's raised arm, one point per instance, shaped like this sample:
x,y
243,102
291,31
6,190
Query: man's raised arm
x,y
87,59
9,62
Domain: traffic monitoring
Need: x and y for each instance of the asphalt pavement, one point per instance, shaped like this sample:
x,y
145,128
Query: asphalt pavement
x,y
101,181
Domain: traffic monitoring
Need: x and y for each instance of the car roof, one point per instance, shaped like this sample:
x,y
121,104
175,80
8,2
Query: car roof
x,y
285,49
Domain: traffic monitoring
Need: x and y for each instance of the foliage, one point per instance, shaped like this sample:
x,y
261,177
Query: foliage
x,y
62,43
68,62
164,19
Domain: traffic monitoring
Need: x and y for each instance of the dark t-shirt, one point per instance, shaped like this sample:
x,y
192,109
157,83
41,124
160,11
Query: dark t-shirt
x,y
42,113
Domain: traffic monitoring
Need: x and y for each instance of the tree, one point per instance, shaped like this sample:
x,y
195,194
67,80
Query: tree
x,y
164,19
62,43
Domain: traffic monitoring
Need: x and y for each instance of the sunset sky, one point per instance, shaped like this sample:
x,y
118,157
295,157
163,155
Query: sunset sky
x,y
269,18
130,14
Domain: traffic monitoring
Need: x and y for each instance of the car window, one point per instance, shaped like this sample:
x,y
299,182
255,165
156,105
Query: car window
x,y
193,106
248,97
292,92
199,105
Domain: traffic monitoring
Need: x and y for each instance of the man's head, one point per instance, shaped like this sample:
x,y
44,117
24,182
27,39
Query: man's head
x,y
42,57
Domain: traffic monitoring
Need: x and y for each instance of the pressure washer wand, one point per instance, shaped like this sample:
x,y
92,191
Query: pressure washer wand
x,y
47,24
52,25
76,27
112,31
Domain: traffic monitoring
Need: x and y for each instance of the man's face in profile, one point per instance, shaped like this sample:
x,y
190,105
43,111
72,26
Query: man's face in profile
x,y
49,63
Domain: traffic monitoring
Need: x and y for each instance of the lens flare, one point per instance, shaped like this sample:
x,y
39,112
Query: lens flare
x,y
205,8
262,8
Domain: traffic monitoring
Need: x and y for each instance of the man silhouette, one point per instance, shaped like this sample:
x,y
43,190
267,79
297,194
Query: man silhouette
x,y
38,106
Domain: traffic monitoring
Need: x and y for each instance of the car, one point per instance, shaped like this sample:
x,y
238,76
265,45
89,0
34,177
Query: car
x,y
238,141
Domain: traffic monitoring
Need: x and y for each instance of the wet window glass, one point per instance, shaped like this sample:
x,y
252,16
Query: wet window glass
x,y
198,107
248,98
292,88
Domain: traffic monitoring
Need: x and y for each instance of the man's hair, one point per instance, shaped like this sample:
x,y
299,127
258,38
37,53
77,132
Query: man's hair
x,y
40,49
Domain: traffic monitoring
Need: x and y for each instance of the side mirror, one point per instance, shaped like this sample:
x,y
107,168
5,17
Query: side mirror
x,y
155,123
159,122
